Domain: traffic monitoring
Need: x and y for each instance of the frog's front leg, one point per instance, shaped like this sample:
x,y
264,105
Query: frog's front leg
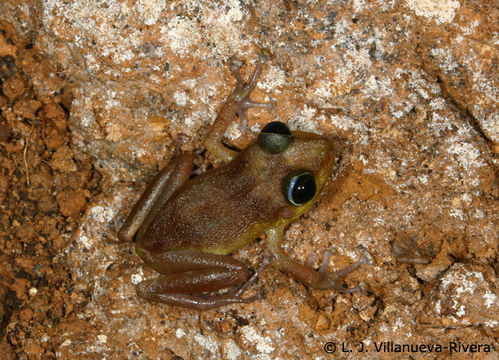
x,y
157,192
306,274
189,273
236,104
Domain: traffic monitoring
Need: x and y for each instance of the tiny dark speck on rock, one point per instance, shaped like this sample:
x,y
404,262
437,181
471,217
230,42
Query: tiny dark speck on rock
x,y
7,66
332,16
5,130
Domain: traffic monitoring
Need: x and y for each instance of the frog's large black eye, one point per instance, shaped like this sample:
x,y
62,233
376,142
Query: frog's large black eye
x,y
299,187
274,137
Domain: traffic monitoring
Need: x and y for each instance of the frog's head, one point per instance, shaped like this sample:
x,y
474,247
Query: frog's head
x,y
302,163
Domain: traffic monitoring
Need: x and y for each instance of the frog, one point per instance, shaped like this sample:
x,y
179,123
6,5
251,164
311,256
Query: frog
x,y
186,227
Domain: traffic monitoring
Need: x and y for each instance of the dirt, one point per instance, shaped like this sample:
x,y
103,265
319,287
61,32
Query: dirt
x,y
95,98
44,190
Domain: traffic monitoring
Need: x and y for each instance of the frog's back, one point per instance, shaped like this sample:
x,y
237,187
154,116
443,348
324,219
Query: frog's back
x,y
219,211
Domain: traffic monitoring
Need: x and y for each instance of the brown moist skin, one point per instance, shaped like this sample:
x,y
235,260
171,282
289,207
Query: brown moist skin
x,y
227,207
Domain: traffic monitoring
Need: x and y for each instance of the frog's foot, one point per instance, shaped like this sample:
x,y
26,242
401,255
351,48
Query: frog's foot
x,y
235,66
243,89
239,290
234,295
333,280
196,301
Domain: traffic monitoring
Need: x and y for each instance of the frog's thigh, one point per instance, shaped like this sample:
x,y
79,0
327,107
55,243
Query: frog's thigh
x,y
191,272
157,192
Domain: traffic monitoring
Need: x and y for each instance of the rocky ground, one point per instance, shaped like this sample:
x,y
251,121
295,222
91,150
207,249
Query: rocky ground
x,y
95,97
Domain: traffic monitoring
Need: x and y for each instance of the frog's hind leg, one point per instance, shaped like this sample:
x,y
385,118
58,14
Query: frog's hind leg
x,y
188,275
157,192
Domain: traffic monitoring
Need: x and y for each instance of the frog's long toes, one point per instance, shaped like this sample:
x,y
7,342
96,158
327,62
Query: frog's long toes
x,y
359,287
241,113
248,103
264,55
239,290
311,258
364,260
235,66
254,77
325,261
259,296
